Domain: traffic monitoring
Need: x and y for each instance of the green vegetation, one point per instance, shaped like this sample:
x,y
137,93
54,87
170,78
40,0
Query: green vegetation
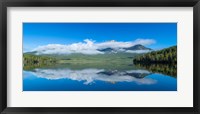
x,y
34,61
167,56
163,61
167,69
112,61
111,58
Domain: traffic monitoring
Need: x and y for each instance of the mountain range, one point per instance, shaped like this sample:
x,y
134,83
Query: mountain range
x,y
133,49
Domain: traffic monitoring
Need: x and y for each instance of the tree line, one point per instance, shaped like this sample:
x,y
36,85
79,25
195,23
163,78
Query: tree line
x,y
32,61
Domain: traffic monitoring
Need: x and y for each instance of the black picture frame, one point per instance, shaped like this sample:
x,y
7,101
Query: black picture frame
x,y
99,3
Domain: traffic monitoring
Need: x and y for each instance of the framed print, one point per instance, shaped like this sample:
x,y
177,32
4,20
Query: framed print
x,y
100,56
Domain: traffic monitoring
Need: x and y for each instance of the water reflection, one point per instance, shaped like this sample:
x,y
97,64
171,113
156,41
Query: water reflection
x,y
167,69
89,76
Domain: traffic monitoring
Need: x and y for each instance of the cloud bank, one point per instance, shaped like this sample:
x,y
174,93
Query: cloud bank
x,y
91,47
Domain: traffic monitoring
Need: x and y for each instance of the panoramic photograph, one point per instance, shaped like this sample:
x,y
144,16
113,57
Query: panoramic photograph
x,y
99,57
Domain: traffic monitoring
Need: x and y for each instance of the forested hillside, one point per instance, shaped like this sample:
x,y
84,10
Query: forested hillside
x,y
168,55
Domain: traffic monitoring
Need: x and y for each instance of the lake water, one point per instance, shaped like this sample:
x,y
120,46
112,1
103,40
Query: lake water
x,y
96,79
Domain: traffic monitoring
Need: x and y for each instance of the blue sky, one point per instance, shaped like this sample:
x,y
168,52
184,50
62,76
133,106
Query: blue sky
x,y
39,34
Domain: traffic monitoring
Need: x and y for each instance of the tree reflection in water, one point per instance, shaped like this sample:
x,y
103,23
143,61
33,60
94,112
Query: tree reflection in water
x,y
167,69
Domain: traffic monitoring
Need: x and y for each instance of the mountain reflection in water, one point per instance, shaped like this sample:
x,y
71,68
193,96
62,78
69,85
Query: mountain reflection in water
x,y
89,76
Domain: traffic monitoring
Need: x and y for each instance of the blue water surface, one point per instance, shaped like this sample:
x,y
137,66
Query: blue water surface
x,y
96,80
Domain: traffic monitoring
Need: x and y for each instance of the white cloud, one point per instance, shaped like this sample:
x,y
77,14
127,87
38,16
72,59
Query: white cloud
x,y
90,47
89,76
138,51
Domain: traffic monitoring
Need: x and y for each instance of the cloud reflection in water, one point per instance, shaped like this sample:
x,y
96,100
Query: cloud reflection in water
x,y
89,76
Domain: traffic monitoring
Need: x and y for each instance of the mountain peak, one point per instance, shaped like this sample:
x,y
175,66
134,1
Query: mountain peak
x,y
106,50
138,47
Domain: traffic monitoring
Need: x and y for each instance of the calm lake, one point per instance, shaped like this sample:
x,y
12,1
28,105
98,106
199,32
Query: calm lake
x,y
65,78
